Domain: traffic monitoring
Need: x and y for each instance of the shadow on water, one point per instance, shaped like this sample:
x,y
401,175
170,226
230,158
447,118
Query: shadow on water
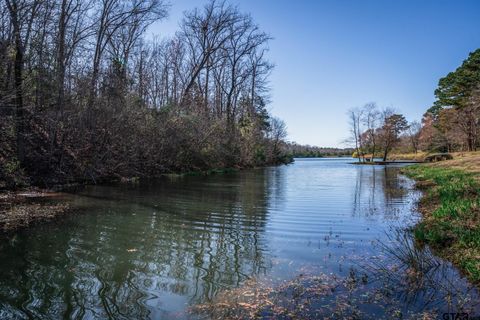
x,y
140,251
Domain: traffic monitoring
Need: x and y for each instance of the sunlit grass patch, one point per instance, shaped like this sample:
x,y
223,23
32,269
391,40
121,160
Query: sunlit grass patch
x,y
451,208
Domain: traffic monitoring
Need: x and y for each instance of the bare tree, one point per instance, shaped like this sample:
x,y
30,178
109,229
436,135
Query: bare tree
x,y
15,9
85,94
205,33
371,118
278,132
124,21
355,116
244,39
413,134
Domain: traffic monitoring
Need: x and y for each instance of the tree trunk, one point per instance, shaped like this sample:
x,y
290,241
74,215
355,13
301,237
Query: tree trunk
x,y
18,81
385,154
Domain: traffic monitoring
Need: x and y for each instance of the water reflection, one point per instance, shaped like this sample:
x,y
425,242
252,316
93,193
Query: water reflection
x,y
152,249
141,251
380,190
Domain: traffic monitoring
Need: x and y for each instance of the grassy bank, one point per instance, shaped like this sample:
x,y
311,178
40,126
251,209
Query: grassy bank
x,y
419,156
451,210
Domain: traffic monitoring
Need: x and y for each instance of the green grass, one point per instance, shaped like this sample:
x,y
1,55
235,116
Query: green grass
x,y
451,220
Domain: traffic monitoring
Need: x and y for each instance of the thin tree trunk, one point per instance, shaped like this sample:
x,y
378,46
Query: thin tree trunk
x,y
18,81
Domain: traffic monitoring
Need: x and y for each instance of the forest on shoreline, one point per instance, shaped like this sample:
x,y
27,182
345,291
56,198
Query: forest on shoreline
x,y
451,124
85,95
449,206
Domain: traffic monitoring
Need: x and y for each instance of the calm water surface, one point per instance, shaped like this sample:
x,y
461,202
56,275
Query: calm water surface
x,y
153,249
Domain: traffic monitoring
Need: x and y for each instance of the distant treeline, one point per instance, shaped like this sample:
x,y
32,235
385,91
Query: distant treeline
x,y
306,151
84,95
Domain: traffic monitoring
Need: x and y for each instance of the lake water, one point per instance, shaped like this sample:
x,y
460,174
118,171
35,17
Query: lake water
x,y
151,250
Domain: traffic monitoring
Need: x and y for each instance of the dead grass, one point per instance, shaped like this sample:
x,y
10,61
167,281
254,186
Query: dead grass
x,y
469,161
466,161
319,296
22,209
419,156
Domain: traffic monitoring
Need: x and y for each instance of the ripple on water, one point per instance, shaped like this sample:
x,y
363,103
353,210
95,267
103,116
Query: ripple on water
x,y
150,250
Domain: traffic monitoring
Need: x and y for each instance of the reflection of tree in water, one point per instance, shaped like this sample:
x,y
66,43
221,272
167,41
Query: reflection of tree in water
x,y
275,183
406,275
394,188
378,190
143,250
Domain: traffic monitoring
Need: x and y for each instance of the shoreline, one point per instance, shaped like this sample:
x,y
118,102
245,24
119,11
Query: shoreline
x,y
440,226
25,207
301,293
450,211
388,162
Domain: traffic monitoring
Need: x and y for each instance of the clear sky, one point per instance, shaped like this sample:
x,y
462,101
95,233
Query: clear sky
x,y
331,55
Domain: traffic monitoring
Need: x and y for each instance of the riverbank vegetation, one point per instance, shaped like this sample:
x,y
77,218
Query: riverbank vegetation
x,y
450,125
450,207
22,209
451,210
86,95
375,131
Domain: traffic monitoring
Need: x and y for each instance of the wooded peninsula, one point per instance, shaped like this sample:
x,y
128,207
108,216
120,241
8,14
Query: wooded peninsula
x,y
86,95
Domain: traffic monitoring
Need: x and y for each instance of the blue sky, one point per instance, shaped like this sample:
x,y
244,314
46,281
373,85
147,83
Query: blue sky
x,y
331,55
